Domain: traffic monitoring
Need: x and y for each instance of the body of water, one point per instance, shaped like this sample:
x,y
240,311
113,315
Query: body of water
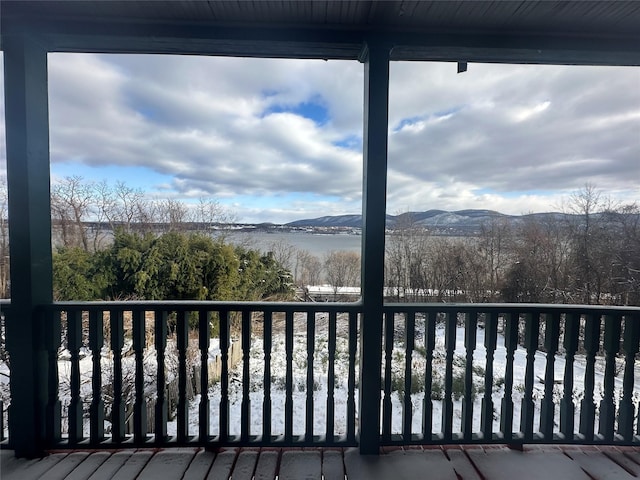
x,y
316,244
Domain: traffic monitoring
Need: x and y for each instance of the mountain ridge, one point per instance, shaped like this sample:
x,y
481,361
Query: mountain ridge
x,y
467,220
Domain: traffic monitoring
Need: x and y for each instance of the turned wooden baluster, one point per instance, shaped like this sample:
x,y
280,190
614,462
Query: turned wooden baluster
x,y
118,406
74,342
161,411
551,341
204,335
510,344
567,406
182,339
630,346
587,405
532,328
311,335
266,399
288,382
490,343
96,410
447,402
351,382
409,342
245,407
331,376
470,338
140,404
612,328
427,404
388,354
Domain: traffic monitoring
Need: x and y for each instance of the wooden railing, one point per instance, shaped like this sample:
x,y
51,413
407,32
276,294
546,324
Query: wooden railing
x,y
138,348
511,374
508,373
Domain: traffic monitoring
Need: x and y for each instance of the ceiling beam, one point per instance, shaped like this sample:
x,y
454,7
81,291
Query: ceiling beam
x,y
324,42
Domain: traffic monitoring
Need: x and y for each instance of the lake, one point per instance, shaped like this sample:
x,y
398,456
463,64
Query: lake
x,y
317,244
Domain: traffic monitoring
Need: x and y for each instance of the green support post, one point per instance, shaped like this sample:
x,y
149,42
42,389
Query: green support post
x,y
376,115
27,141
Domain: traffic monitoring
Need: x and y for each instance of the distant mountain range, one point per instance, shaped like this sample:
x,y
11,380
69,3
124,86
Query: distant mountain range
x,y
458,222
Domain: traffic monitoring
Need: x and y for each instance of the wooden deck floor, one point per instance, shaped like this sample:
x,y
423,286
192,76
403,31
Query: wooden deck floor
x,y
472,462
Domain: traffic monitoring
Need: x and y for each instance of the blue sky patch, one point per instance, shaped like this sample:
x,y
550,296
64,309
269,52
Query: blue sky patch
x,y
350,142
315,110
134,176
409,121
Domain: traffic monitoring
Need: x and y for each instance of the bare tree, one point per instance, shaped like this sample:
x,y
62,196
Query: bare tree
x,y
456,271
173,214
130,202
592,255
493,244
212,217
104,208
342,269
625,223
70,204
308,268
284,253
406,258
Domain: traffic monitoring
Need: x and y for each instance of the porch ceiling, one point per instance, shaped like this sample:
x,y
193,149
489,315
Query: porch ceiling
x,y
594,32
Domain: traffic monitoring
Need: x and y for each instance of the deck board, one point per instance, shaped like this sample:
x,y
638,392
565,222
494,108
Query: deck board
x,y
332,465
63,468
267,465
461,464
624,461
472,462
200,466
169,463
223,465
88,467
501,463
133,465
107,470
598,466
305,465
399,465
632,453
245,465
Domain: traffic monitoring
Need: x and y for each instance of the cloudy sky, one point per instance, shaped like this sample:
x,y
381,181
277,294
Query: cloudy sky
x,y
280,140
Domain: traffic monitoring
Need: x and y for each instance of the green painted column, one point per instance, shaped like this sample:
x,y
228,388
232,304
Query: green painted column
x,y
375,140
27,139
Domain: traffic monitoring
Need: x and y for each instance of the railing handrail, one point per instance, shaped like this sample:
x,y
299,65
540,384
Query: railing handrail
x,y
505,307
186,305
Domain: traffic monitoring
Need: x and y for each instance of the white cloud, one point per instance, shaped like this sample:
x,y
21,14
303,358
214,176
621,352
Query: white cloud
x,y
512,130
526,112
513,138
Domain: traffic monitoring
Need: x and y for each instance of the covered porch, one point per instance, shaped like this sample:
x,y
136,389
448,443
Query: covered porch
x,y
375,33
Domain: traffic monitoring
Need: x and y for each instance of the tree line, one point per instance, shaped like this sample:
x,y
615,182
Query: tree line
x,y
151,249
587,254
164,249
